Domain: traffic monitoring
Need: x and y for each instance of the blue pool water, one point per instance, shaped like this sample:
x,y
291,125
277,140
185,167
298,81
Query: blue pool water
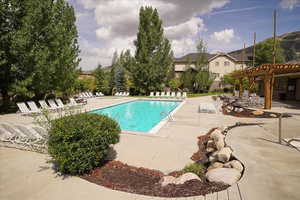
x,y
140,115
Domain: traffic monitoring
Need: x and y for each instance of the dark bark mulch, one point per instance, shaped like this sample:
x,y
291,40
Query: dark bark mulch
x,y
119,176
248,113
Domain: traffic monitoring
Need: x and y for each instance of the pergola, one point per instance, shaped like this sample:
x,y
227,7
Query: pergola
x,y
267,72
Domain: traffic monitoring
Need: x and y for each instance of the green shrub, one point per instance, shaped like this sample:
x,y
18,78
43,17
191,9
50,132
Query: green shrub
x,y
79,143
195,168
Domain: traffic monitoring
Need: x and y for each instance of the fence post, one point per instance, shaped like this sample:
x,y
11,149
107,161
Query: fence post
x,y
279,128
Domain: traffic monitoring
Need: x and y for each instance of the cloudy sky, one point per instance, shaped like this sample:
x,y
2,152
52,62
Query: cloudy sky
x,y
106,26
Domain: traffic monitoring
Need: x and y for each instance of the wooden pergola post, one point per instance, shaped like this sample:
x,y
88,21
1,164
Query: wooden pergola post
x,y
241,89
268,91
251,84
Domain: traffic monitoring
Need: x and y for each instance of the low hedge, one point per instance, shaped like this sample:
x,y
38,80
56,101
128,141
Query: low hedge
x,y
79,143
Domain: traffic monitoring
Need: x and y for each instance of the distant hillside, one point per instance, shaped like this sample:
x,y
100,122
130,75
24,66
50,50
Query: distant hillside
x,y
288,41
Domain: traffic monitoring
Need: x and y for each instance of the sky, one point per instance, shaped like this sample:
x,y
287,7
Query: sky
x,y
106,26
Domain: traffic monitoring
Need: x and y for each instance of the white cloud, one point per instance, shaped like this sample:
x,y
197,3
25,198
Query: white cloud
x,y
117,24
225,36
187,29
289,4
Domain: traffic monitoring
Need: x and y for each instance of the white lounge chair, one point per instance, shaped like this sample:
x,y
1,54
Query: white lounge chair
x,y
60,103
74,103
168,95
101,94
151,94
24,109
91,95
53,105
163,94
33,107
184,95
127,94
173,95
117,94
44,105
157,94
178,96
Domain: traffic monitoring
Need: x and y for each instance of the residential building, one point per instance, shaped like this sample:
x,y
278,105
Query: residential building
x,y
219,64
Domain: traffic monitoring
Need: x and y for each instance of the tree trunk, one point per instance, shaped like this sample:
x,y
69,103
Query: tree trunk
x,y
5,100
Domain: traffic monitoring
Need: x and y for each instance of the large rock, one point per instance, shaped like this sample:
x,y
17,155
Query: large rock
x,y
210,143
210,149
166,180
227,176
224,154
213,157
235,164
186,177
215,165
218,139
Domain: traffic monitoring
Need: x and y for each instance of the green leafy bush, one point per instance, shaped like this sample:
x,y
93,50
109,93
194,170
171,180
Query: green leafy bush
x,y
79,143
195,168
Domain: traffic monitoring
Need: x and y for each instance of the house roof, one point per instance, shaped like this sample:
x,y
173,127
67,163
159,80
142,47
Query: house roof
x,y
192,57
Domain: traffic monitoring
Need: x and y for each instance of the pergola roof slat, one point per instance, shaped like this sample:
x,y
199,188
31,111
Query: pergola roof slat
x,y
268,69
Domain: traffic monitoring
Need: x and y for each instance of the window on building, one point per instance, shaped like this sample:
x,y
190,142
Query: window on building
x,y
226,63
217,64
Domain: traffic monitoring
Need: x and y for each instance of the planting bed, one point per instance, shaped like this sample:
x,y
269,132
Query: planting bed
x,y
119,176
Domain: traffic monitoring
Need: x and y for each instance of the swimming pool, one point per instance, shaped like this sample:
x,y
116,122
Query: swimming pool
x,y
140,115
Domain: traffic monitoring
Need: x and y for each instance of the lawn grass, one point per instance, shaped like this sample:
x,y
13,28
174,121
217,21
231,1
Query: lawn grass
x,y
204,94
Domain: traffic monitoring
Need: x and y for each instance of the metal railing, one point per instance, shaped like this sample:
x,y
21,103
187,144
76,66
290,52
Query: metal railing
x,y
280,127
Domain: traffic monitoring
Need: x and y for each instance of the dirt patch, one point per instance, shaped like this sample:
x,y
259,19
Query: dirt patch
x,y
119,176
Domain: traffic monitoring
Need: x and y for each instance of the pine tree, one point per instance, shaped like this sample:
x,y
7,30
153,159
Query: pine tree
x,y
100,78
204,78
153,53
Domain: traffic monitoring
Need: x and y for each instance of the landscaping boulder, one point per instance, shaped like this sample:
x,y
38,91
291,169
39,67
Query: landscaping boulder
x,y
224,154
258,112
218,139
213,157
210,143
227,176
186,177
215,165
210,149
235,164
166,180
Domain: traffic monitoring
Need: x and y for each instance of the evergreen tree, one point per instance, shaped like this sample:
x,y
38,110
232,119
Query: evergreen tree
x,y
204,77
11,15
264,53
45,47
100,78
153,57
112,71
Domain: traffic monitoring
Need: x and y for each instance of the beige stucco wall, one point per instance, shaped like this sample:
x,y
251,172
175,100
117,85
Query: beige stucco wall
x,y
221,69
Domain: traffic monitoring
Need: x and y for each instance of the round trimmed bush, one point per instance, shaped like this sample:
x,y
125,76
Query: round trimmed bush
x,y
79,143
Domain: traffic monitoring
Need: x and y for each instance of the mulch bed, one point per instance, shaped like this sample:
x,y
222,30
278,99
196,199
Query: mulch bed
x,y
248,113
119,176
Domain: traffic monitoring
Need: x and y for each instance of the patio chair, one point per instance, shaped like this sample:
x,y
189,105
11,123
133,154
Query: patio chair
x,y
116,94
33,107
74,103
53,105
168,95
184,95
24,109
44,105
151,94
163,94
101,94
157,94
91,95
173,95
127,94
60,103
178,95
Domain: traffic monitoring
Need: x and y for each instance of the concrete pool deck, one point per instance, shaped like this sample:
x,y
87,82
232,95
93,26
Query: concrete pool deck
x,y
272,170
